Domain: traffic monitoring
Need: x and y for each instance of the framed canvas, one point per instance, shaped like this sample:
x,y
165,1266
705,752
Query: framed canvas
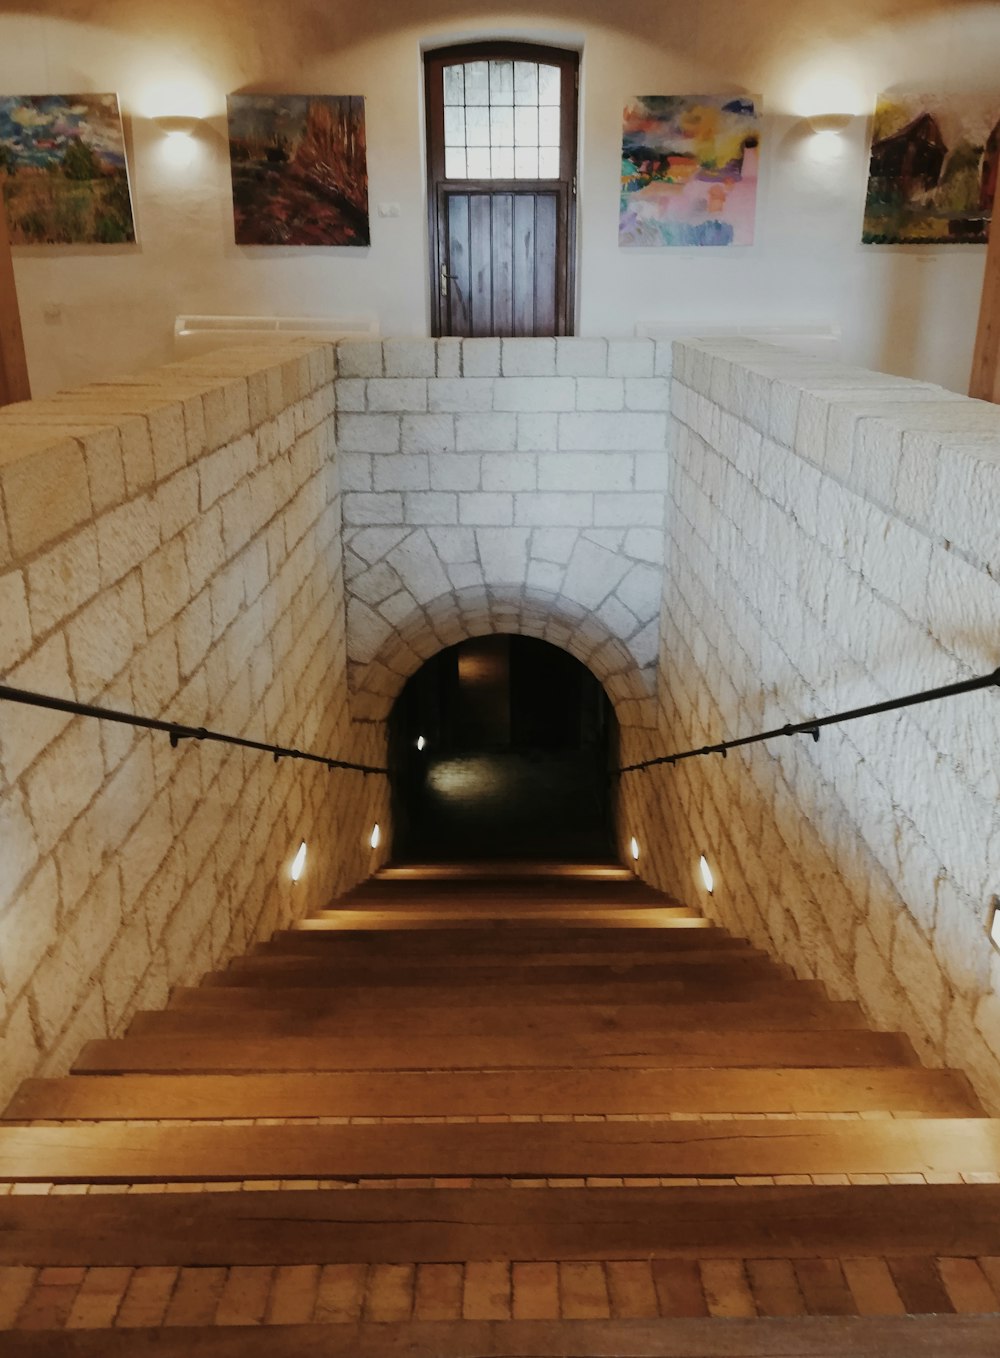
x,y
933,170
299,166
63,170
689,170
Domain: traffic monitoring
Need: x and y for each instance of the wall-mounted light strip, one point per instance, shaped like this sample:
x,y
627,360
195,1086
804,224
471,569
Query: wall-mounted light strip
x,y
299,862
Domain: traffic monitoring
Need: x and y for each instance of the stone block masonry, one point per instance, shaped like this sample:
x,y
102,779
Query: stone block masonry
x,y
272,541
833,539
169,545
504,484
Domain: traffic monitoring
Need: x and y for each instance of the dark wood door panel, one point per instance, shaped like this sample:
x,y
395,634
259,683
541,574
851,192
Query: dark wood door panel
x,y
500,271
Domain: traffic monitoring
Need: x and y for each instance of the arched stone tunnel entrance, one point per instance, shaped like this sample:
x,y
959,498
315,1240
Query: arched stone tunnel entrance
x,y
378,674
499,748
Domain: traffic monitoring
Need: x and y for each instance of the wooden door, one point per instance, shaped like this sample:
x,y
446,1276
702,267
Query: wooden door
x,y
501,215
14,384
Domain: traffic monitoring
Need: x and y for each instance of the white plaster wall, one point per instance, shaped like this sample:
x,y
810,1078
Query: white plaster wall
x,y
169,546
833,540
91,313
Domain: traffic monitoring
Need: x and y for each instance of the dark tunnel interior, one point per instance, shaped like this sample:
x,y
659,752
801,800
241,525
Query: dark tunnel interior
x,y
499,748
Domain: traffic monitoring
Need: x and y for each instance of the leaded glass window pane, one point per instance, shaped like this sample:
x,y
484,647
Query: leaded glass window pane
x,y
548,85
454,162
477,82
503,162
548,162
526,82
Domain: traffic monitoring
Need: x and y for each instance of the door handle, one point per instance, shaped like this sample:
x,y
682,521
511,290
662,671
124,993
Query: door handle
x,y
444,276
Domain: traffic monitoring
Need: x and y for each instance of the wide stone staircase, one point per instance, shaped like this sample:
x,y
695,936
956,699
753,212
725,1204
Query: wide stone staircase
x,y
510,1111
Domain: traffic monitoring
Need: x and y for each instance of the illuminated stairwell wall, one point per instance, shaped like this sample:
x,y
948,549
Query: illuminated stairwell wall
x,y
833,539
169,545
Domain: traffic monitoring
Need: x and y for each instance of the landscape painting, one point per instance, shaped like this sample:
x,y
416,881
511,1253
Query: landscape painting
x,y
63,170
933,171
300,174
689,170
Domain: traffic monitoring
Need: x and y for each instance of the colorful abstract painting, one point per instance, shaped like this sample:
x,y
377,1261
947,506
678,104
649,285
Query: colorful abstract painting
x,y
300,174
689,170
63,171
933,171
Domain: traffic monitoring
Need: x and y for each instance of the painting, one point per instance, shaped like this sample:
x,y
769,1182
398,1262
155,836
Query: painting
x,y
63,170
933,170
300,174
689,170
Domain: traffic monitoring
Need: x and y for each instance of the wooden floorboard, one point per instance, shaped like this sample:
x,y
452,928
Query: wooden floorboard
x,y
122,1153
467,992
808,1337
223,1054
504,941
595,1090
325,949
701,969
446,917
287,1012
422,1225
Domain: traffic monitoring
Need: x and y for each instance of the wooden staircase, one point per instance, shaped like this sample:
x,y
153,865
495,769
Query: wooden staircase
x,y
511,1112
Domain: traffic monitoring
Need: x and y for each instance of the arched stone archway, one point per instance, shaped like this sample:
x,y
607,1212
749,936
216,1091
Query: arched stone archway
x,y
503,486
392,655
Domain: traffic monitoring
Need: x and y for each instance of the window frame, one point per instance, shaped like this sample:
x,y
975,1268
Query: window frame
x,y
568,62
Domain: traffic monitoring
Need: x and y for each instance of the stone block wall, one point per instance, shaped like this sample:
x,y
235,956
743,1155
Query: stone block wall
x,y
833,539
169,545
503,485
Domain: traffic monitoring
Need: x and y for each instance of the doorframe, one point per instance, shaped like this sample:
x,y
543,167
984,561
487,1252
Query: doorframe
x,y
568,61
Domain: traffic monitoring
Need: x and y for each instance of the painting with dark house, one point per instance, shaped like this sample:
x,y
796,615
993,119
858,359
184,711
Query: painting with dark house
x,y
299,169
933,170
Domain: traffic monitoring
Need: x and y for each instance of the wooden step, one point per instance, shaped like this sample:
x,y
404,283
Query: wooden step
x,y
928,1336
287,1012
586,950
468,992
523,919
504,941
939,1093
223,1054
492,886
716,967
126,1154
499,869
427,1225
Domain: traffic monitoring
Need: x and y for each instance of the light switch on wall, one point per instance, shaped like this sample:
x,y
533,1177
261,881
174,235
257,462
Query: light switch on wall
x,y
388,209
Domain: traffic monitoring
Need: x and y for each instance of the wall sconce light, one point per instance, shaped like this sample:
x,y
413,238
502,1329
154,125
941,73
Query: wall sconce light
x,y
178,130
829,123
706,874
299,862
376,836
993,928
634,848
177,124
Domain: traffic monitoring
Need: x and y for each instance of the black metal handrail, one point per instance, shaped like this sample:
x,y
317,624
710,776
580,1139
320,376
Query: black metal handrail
x,y
177,731
812,727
